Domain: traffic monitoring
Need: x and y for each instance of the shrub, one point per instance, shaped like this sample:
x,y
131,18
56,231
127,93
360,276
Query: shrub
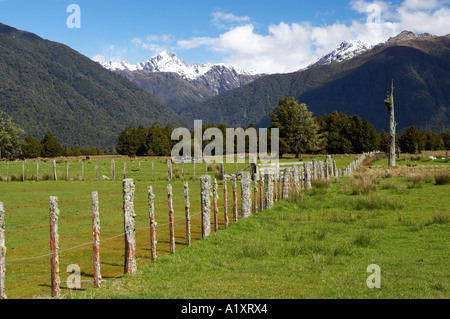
x,y
442,178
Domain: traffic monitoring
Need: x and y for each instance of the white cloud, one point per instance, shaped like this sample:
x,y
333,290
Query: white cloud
x,y
98,58
226,20
290,47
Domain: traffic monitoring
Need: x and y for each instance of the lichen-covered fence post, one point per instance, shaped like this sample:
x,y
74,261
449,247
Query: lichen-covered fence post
x,y
54,247
269,190
169,170
275,187
246,195
54,170
261,186
307,167
2,252
215,197
187,205
280,187
329,165
296,179
255,196
96,239
151,213
225,203
171,221
205,186
129,226
233,185
285,183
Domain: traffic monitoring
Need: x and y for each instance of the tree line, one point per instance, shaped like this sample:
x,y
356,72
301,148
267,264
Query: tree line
x,y
299,133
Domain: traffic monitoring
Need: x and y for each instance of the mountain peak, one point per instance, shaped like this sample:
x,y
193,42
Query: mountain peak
x,y
346,50
166,61
408,35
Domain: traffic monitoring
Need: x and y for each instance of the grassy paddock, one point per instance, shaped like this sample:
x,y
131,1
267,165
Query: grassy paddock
x,y
317,246
27,216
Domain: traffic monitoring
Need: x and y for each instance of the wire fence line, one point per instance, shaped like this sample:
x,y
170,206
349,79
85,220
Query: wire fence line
x,y
267,188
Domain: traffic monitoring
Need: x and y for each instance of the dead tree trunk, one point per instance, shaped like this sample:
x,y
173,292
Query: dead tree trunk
x,y
389,103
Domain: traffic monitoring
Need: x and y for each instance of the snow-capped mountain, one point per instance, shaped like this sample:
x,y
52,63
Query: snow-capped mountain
x,y
346,50
195,82
169,62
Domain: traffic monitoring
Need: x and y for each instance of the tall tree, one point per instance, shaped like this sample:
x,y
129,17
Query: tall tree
x,y
412,140
298,128
31,147
50,146
10,137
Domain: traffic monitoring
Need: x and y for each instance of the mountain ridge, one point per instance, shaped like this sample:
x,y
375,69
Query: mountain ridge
x,y
49,86
419,66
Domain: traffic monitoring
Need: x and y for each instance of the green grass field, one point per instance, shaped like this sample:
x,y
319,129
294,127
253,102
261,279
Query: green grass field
x,y
317,246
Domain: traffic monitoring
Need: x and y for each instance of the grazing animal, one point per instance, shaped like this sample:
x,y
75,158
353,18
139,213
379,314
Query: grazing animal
x,y
87,157
132,156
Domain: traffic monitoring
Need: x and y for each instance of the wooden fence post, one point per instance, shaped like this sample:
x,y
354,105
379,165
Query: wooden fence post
x,y
194,169
2,252
182,171
151,212
54,246
255,196
82,171
296,179
187,205
269,190
96,239
129,226
171,225
233,185
153,171
285,183
113,171
54,170
139,167
275,187
215,197
261,184
205,186
225,203
169,170
37,171
307,167
246,195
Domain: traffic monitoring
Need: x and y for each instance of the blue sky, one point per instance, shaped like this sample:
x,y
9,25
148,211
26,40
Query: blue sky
x,y
261,35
